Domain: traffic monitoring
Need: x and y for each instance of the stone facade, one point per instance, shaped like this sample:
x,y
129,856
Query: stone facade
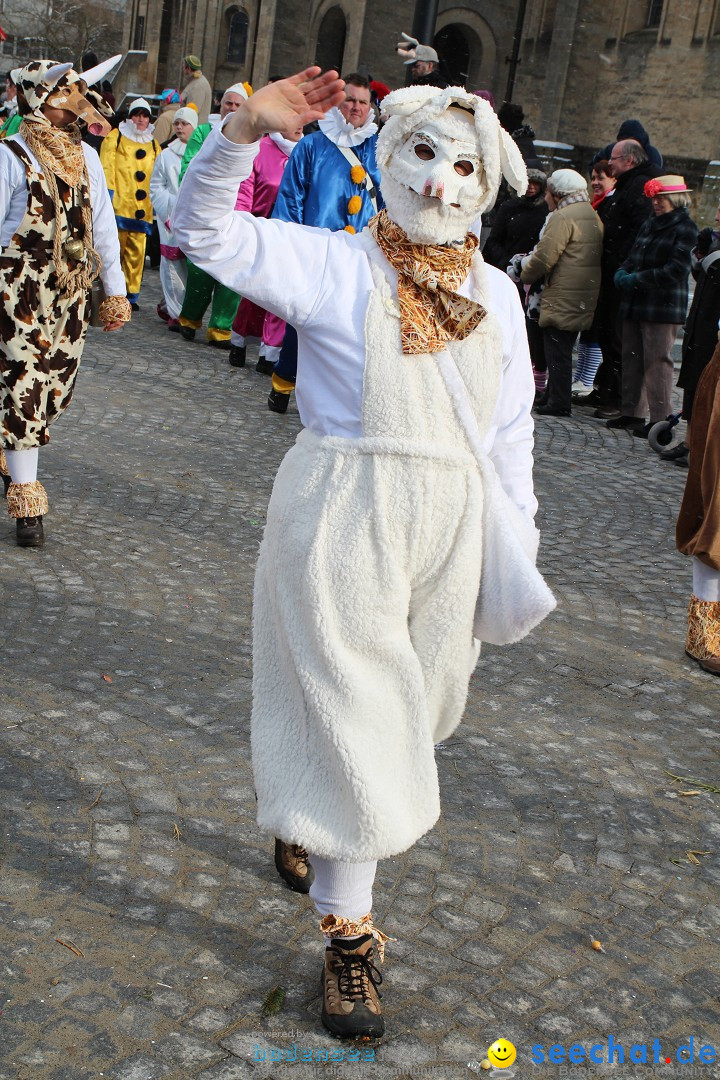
x,y
589,65
585,65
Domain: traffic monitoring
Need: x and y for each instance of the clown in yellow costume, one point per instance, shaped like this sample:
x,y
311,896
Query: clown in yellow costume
x,y
128,156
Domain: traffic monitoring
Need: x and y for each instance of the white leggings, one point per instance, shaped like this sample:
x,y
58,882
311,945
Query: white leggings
x,y
706,581
22,465
342,888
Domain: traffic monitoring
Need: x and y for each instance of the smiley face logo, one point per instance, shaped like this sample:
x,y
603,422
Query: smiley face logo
x,y
501,1054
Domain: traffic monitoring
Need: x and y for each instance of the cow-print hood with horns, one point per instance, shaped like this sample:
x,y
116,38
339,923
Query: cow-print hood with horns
x,y
47,82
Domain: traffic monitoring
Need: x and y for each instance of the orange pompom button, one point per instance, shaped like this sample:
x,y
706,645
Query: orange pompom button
x,y
354,205
357,174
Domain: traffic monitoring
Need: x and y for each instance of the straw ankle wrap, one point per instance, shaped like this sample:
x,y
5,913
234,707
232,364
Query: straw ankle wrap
x,y
4,471
334,926
27,500
703,636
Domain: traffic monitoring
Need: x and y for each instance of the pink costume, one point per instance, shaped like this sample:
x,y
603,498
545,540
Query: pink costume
x,y
257,196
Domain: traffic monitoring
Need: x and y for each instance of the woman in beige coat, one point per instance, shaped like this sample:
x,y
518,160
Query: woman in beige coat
x,y
567,255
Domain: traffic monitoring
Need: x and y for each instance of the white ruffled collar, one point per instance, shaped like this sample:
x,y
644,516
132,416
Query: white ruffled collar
x,y
286,145
177,147
128,129
337,129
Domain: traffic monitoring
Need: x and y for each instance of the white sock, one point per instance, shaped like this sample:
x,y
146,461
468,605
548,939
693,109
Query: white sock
x,y
341,888
706,585
271,352
22,465
237,339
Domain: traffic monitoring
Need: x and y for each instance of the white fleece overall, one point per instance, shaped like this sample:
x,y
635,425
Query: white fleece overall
x,y
364,598
368,572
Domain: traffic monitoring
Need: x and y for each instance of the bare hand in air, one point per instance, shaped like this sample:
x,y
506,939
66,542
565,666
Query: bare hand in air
x,y
285,105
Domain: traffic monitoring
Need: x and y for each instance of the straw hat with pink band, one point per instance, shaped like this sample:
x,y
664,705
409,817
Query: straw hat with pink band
x,y
665,185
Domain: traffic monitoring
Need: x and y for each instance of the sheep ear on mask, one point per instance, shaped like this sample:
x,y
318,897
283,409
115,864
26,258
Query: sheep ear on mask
x,y
512,164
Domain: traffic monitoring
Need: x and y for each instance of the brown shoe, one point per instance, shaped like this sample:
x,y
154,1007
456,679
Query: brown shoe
x,y
351,1003
707,663
291,863
29,532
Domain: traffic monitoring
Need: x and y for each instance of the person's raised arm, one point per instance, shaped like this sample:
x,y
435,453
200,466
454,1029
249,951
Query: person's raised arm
x,y
277,265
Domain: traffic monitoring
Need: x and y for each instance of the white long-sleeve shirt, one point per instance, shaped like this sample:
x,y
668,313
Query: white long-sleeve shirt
x,y
320,282
164,184
13,204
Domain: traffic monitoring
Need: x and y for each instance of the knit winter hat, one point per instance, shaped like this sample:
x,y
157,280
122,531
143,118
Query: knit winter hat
x,y
193,62
237,88
566,182
539,177
187,114
138,104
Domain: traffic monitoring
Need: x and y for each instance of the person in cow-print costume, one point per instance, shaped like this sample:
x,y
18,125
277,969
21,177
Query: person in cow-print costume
x,y
57,234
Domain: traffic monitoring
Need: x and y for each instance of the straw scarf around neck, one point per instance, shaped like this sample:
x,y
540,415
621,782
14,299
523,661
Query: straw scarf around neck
x,y
59,150
60,154
432,313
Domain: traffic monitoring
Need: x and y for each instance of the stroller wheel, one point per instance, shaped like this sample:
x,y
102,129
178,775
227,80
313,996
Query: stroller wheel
x,y
660,435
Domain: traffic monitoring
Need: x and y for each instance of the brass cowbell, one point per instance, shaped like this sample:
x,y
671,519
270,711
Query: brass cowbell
x,y
74,249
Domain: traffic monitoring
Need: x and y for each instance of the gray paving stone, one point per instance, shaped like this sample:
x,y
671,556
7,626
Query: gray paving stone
x,y
139,1067
128,809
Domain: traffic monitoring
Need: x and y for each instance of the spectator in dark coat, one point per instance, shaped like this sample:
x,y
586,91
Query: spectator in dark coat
x,y
622,217
653,281
700,338
632,129
518,223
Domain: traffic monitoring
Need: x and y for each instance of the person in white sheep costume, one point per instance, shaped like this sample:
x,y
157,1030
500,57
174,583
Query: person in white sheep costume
x,y
407,494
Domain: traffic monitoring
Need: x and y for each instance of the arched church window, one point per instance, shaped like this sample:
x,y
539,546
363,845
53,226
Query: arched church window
x,y
238,26
654,15
330,46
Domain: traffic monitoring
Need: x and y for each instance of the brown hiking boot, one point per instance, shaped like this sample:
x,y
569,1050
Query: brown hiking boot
x,y
291,863
351,1003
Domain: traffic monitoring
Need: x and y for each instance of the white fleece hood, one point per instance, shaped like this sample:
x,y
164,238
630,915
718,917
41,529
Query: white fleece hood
x,y
442,155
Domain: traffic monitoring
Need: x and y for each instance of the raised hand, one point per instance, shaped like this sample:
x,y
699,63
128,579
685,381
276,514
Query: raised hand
x,y
286,105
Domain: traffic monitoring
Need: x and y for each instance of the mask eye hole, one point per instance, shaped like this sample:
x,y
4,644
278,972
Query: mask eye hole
x,y
424,152
464,168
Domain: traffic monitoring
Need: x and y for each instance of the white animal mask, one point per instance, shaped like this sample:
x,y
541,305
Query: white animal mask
x,y
441,155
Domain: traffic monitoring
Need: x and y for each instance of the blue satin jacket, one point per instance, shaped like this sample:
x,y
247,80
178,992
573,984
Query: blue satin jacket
x,y
316,186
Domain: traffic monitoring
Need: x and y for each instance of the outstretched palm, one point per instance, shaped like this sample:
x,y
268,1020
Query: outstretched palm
x,y
287,104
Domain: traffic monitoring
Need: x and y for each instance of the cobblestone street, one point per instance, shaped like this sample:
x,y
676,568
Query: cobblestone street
x,y
143,927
